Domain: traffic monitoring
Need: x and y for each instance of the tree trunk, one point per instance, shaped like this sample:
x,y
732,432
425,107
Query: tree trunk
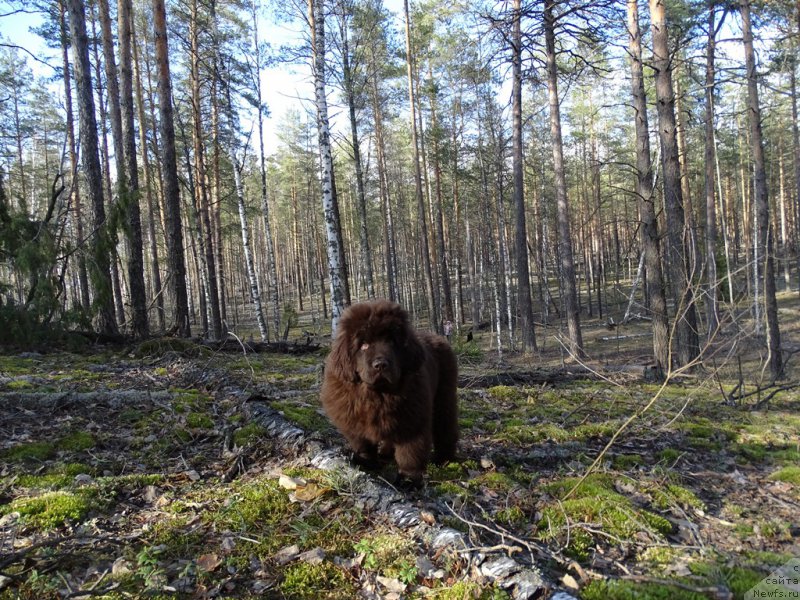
x,y
155,263
83,278
569,291
337,266
201,179
447,299
712,314
383,185
431,292
172,199
133,233
272,272
644,192
686,342
101,245
765,272
525,324
361,200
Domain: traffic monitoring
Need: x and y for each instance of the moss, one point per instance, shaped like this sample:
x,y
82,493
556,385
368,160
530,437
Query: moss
x,y
625,462
532,434
59,476
51,509
248,434
304,416
255,506
594,430
789,474
19,384
304,580
669,455
199,420
629,590
513,517
493,480
657,557
671,494
77,441
389,553
595,501
736,578
32,451
505,392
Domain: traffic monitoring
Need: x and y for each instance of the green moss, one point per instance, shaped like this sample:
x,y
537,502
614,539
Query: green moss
x,y
629,590
77,441
625,462
254,506
669,455
532,434
248,434
199,420
513,516
493,480
19,384
389,553
59,476
32,451
51,509
305,416
505,392
595,501
736,578
789,474
671,494
304,580
595,430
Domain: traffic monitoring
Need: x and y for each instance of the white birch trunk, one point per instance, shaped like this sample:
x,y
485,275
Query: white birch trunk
x,y
336,258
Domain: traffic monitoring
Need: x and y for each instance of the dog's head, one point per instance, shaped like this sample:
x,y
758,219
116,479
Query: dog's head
x,y
375,345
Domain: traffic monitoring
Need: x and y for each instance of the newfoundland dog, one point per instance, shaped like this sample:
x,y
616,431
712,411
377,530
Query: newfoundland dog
x,y
390,390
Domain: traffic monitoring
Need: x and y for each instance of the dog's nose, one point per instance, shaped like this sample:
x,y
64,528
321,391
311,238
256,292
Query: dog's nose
x,y
380,363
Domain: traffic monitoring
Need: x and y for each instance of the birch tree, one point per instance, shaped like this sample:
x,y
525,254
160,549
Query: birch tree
x,y
337,266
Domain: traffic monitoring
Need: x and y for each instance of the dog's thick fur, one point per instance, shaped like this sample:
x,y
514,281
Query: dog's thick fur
x,y
391,391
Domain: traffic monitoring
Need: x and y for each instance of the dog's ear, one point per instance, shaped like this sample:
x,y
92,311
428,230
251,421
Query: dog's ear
x,y
341,360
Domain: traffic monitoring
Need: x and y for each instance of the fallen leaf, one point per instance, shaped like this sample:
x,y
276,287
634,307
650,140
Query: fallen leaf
x,y
310,492
208,562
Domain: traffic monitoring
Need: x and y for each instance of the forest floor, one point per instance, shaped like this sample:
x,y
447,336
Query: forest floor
x,y
148,472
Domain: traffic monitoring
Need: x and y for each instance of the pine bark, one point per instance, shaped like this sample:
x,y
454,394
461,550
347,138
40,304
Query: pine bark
x,y
712,314
569,291
361,199
101,245
765,267
83,278
644,192
139,322
430,289
686,341
172,199
525,324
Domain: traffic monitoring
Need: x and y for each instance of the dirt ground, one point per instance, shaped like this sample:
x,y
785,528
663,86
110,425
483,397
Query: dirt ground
x,y
139,471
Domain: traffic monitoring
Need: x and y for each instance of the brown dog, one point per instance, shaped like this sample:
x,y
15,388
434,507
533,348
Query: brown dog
x,y
391,390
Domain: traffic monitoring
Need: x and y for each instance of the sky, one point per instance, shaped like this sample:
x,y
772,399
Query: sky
x,y
284,87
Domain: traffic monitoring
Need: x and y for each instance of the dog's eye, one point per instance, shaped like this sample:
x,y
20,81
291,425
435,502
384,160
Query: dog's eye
x,y
364,346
